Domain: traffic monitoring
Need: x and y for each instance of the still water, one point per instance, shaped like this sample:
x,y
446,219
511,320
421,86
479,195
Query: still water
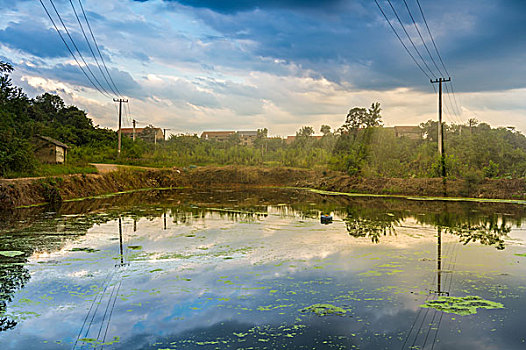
x,y
256,269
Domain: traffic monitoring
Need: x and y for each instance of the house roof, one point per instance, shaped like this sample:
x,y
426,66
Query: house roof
x,y
407,129
53,141
217,133
137,130
248,133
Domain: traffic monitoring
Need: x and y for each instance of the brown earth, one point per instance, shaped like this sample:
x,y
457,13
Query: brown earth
x,y
14,193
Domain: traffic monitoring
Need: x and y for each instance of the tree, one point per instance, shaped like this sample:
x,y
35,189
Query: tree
x,y
361,118
305,131
325,130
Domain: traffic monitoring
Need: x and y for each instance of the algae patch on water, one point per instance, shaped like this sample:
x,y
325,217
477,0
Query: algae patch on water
x,y
325,310
462,306
11,253
87,250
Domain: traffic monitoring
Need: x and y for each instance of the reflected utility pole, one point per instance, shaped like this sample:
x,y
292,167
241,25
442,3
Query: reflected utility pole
x,y
121,250
439,264
165,220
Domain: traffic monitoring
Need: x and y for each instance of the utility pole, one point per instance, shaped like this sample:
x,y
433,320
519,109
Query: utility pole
x,y
120,100
134,122
440,125
164,133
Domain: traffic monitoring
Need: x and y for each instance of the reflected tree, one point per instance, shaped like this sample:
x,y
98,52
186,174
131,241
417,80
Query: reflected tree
x,y
372,225
12,278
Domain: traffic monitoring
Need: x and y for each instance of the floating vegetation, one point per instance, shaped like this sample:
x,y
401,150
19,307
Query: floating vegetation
x,y
524,255
135,247
11,253
325,310
462,306
87,250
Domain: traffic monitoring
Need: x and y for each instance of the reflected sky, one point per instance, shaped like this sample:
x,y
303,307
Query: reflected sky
x,y
223,269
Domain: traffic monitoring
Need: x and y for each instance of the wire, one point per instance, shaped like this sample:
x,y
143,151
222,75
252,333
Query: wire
x,y
401,41
90,48
421,38
409,37
431,36
97,47
76,48
454,97
69,49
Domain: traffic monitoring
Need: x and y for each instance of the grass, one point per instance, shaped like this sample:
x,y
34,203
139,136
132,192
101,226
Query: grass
x,y
54,170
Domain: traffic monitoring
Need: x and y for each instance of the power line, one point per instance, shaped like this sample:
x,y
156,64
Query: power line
x,y
421,38
454,97
69,49
97,47
90,48
409,37
78,51
431,36
436,49
453,107
401,41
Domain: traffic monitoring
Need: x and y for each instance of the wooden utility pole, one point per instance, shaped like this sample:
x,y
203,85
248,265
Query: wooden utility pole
x,y
134,122
120,100
441,126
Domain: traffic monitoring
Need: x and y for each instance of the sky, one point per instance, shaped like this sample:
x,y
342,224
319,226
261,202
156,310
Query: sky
x,y
195,65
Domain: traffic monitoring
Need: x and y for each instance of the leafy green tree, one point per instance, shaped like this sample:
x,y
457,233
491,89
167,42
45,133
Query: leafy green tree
x,y
325,130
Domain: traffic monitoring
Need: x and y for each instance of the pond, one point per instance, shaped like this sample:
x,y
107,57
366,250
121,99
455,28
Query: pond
x,y
256,269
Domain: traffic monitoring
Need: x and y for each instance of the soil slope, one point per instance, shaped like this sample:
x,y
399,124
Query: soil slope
x,y
14,193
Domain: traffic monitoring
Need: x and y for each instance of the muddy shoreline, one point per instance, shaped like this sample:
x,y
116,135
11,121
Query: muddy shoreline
x,y
24,192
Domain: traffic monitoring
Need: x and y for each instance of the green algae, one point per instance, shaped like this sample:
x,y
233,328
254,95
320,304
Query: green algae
x,y
523,255
462,306
11,253
324,310
87,250
414,198
135,247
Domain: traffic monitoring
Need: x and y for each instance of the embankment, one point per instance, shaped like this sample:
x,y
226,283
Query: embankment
x,y
15,193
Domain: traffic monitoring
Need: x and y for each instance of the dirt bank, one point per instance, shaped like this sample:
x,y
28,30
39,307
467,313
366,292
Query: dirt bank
x,y
16,193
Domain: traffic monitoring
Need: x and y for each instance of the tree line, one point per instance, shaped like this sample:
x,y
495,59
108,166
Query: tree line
x,y
361,146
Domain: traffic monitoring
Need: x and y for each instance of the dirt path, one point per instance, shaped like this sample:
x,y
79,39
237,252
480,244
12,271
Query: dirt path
x,y
105,168
108,168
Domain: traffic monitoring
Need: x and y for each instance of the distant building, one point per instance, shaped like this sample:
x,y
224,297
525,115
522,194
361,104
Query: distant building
x,y
148,134
291,139
49,150
217,135
246,137
411,132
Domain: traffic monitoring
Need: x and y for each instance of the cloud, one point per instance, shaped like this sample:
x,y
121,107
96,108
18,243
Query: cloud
x,y
234,6
35,39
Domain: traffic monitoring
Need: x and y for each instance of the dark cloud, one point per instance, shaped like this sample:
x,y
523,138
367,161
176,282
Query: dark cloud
x,y
73,75
34,38
234,6
483,46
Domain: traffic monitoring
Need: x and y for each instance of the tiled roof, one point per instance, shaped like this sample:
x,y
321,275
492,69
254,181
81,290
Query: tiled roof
x,y
53,141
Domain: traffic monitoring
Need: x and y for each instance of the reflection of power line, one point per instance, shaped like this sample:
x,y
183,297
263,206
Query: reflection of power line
x,y
110,304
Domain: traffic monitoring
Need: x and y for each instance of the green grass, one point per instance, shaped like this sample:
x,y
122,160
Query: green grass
x,y
55,169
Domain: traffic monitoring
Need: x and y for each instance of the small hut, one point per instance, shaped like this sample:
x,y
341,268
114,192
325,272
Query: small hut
x,y
49,150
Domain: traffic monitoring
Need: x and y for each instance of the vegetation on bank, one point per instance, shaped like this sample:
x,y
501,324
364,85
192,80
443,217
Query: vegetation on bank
x,y
360,146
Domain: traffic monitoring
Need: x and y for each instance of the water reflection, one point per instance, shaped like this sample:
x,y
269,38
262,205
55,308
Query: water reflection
x,y
233,268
